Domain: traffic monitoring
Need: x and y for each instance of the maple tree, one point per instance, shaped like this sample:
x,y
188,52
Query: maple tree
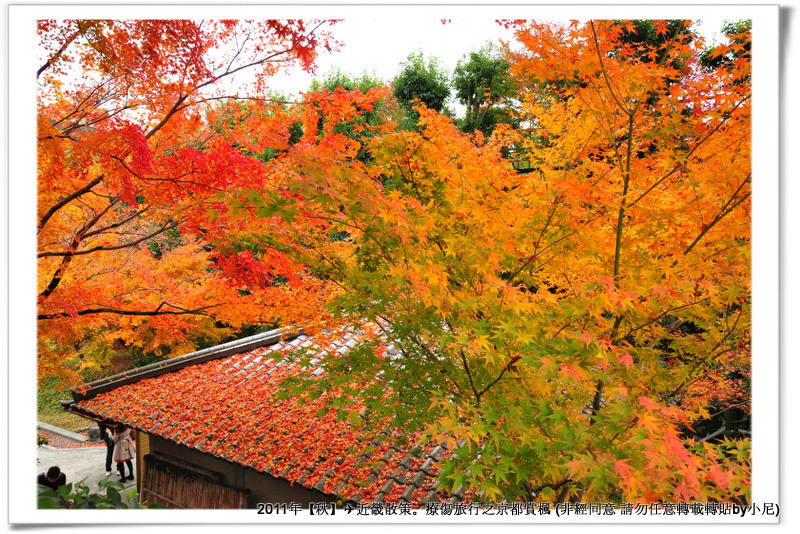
x,y
133,155
574,332
564,329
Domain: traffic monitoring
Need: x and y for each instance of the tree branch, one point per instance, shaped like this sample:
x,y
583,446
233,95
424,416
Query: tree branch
x,y
726,208
62,268
66,200
496,380
59,52
175,108
157,311
169,226
662,314
704,360
116,224
679,166
605,74
469,376
536,247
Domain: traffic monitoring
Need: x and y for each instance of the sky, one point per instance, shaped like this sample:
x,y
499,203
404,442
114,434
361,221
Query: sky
x,y
376,47
377,42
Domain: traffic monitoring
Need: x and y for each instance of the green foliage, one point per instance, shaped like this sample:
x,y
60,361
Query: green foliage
x,y
481,81
48,408
245,331
147,358
714,57
736,27
79,496
166,241
49,393
336,78
421,80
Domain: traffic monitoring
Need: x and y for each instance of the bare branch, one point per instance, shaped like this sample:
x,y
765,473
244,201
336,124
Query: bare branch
x,y
116,224
661,315
169,226
508,366
117,311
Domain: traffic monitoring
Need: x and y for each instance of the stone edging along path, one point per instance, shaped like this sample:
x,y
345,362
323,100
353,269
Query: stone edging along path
x,y
80,438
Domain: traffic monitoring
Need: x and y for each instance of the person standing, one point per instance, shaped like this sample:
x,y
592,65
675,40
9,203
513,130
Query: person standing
x,y
53,478
124,451
105,435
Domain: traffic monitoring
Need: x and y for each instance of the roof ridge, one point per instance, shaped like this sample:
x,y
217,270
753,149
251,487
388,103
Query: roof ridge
x,y
173,364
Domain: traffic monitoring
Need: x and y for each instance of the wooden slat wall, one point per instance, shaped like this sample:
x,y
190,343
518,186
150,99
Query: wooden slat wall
x,y
176,488
142,450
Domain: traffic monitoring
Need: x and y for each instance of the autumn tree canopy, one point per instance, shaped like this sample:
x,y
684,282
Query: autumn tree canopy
x,y
577,332
134,152
566,329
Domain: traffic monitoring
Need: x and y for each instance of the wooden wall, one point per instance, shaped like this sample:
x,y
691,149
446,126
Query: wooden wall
x,y
200,469
172,485
142,450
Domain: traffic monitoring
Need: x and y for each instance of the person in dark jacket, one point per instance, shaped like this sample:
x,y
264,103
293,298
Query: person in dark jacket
x,y
53,478
105,426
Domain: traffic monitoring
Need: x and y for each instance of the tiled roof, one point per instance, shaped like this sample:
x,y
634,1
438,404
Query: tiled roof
x,y
228,408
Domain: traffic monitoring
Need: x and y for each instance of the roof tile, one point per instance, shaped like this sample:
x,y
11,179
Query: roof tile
x,y
218,408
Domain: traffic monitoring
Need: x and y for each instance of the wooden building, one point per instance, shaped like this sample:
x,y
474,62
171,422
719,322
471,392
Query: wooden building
x,y
211,432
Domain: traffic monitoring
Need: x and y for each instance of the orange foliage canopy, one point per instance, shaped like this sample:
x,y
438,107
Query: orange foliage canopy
x,y
568,327
132,158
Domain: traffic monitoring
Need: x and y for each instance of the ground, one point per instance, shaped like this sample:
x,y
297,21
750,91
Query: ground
x,y
78,461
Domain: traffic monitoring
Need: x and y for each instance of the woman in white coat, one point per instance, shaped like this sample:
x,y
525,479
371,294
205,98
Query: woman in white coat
x,y
124,451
